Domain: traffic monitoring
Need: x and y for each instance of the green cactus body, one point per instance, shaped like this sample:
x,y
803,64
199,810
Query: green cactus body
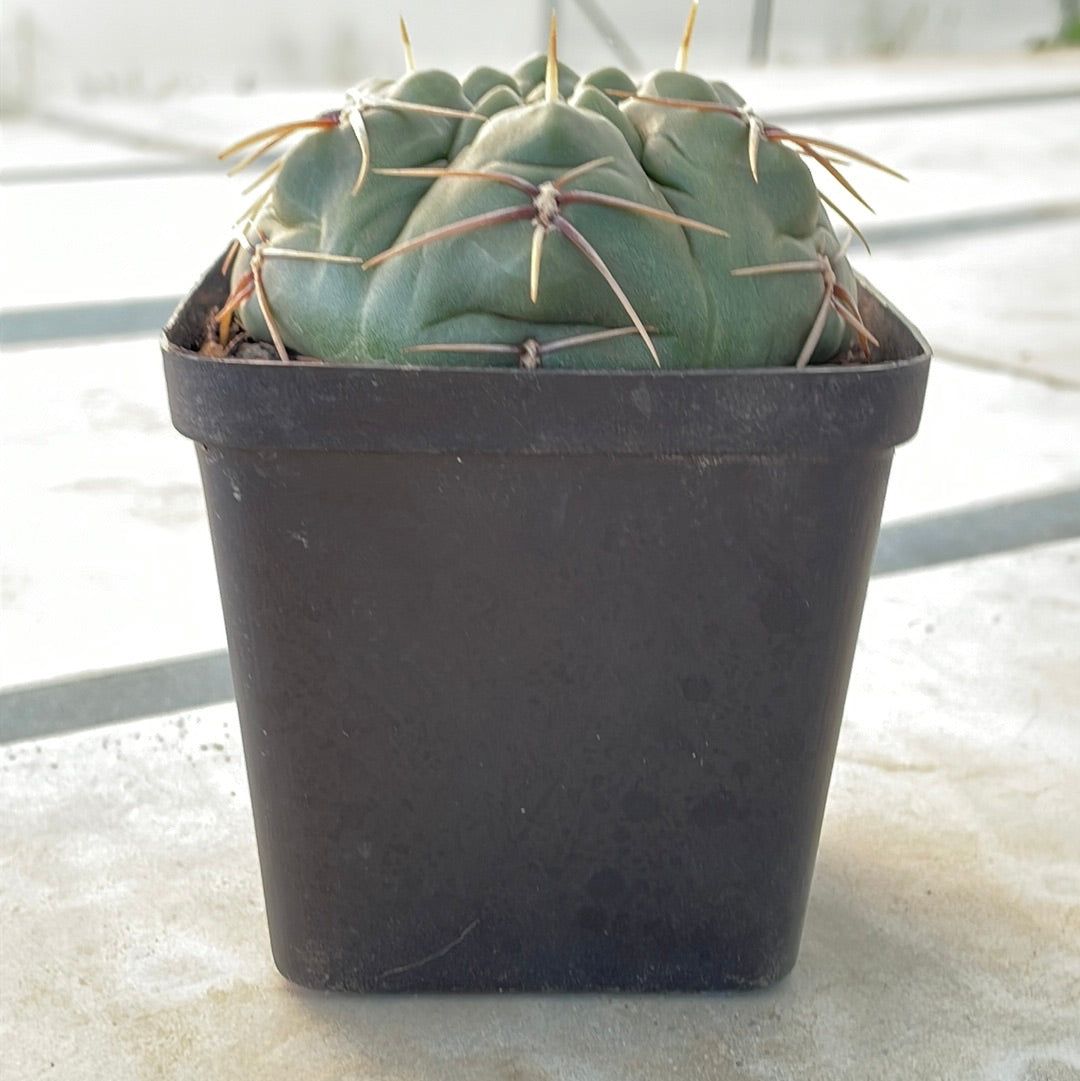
x,y
450,253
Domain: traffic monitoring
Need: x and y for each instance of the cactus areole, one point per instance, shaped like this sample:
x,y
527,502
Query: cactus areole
x,y
539,218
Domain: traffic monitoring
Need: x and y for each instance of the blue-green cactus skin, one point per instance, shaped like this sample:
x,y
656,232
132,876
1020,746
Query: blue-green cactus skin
x,y
474,286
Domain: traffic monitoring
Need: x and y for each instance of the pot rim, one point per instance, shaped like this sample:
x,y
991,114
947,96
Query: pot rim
x,y
448,409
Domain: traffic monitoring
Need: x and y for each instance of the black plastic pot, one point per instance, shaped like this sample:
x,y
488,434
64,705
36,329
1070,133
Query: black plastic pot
x,y
540,674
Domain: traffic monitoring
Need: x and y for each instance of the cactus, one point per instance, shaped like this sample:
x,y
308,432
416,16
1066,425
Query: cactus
x,y
541,218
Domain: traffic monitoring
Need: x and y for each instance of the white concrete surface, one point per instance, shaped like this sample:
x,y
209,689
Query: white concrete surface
x,y
109,563
943,937
942,940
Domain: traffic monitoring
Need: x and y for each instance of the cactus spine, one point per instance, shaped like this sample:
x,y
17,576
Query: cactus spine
x,y
539,218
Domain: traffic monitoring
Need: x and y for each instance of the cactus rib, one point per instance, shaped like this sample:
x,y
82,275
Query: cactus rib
x,y
836,298
547,200
357,103
810,146
412,181
252,282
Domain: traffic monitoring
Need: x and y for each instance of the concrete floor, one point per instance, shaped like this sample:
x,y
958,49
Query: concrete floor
x,y
943,935
941,938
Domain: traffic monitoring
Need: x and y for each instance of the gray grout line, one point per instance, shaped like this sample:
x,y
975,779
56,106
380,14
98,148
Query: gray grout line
x,y
96,319
100,698
110,170
931,230
88,701
195,158
100,126
972,532
963,103
982,363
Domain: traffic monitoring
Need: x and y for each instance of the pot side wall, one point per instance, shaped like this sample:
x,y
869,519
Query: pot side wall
x,y
585,708
540,688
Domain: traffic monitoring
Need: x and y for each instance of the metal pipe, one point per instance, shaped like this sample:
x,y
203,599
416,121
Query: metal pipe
x,y
605,26
760,30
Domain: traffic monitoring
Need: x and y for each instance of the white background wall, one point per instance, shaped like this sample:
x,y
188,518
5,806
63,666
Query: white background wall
x,y
110,48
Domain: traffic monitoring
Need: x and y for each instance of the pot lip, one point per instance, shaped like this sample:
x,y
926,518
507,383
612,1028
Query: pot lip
x,y
822,410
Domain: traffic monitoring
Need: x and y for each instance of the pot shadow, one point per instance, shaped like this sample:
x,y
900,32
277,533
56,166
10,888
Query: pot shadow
x,y
883,986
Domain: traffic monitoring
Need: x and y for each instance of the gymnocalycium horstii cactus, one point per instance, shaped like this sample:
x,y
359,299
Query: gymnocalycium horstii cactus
x,y
542,218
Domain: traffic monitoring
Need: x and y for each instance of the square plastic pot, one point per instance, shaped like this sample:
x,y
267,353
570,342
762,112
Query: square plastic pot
x,y
540,674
